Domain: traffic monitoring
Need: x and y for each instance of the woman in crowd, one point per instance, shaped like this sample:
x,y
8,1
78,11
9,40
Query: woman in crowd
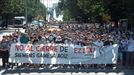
x,y
4,50
74,34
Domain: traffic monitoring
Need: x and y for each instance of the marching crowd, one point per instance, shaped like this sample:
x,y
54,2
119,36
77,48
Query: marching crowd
x,y
78,34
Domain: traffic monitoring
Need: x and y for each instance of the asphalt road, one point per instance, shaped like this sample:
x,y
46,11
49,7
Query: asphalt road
x,y
39,71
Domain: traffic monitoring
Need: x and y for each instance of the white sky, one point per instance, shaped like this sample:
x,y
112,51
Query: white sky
x,y
49,3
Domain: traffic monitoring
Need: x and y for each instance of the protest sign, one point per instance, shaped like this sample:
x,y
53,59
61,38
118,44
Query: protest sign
x,y
63,54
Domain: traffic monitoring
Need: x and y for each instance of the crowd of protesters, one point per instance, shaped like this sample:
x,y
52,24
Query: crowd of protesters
x,y
77,34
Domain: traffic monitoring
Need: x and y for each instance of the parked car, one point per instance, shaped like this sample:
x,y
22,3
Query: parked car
x,y
19,22
37,23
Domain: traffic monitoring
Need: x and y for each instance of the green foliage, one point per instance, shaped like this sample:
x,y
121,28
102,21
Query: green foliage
x,y
17,8
12,7
70,9
82,10
95,9
120,9
42,10
35,9
67,16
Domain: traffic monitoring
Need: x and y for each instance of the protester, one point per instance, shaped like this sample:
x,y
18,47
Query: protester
x,y
24,39
78,34
130,50
4,48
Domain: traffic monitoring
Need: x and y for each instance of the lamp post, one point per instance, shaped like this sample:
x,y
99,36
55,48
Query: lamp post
x,y
26,10
37,7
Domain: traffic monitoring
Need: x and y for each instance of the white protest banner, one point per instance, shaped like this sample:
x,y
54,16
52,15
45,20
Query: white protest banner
x,y
62,54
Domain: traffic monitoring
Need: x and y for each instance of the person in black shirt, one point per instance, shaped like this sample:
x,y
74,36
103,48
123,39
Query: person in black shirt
x,y
4,48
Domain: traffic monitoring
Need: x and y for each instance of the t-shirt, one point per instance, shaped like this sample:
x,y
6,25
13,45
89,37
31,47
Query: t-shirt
x,y
99,43
24,39
130,46
4,45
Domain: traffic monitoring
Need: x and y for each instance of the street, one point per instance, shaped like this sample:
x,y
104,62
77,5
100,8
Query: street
x,y
66,37
59,71
35,71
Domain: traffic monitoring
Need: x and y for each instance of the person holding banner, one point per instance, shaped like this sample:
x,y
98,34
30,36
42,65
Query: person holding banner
x,y
123,50
130,50
4,47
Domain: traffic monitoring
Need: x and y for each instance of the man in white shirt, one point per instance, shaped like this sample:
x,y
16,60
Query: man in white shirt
x,y
99,45
51,38
123,50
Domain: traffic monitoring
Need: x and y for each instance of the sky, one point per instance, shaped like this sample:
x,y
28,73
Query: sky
x,y
49,3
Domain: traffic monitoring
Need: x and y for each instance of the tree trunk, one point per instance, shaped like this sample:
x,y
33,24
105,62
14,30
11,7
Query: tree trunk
x,y
116,23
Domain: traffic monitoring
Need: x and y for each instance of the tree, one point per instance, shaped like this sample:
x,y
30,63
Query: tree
x,y
70,9
13,8
119,9
84,10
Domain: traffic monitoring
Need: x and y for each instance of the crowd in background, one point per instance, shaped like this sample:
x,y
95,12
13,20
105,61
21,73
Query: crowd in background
x,y
77,34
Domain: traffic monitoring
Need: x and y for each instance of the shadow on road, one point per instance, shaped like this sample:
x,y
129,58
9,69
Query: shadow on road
x,y
58,70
